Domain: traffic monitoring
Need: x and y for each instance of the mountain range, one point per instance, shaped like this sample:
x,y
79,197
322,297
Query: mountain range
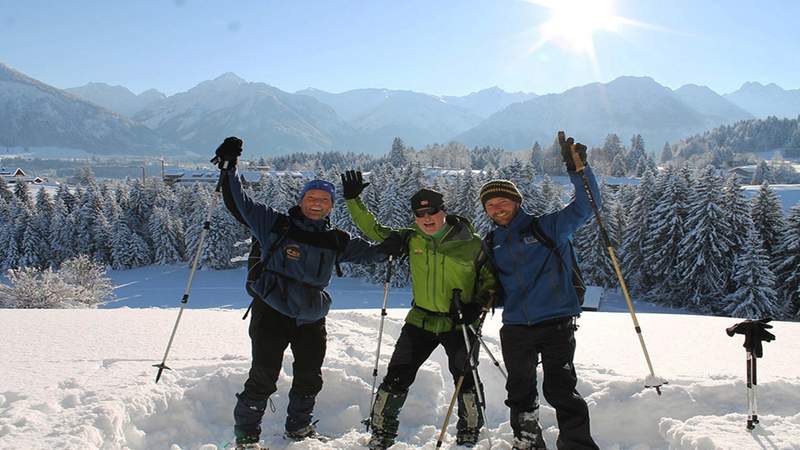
x,y
111,119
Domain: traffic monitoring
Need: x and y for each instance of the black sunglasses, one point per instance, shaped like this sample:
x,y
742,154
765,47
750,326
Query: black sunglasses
x,y
422,212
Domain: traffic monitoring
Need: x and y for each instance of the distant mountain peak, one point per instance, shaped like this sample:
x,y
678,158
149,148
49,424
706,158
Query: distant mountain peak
x,y
230,77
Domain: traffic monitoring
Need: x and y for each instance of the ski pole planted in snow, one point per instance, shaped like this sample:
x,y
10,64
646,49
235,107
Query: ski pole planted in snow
x,y
471,365
652,381
754,332
380,336
185,298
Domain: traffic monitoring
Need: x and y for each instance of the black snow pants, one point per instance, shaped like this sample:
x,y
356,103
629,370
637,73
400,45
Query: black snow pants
x,y
555,342
270,333
414,347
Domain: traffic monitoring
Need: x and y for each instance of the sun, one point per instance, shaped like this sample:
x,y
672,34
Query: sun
x,y
573,23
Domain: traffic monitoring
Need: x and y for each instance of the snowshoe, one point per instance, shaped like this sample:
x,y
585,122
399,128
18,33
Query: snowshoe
x,y
468,437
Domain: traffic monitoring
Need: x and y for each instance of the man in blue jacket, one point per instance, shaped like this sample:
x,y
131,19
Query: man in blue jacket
x,y
540,305
299,253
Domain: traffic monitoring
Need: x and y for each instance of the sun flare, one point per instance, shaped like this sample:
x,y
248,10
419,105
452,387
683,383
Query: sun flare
x,y
573,23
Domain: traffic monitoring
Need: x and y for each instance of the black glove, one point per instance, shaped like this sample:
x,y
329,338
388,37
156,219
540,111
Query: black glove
x,y
566,151
395,245
229,150
352,184
470,312
754,331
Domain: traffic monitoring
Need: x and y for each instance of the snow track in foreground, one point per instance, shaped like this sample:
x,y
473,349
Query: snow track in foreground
x,y
82,379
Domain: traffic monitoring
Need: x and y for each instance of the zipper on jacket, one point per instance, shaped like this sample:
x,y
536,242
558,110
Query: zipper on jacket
x,y
321,261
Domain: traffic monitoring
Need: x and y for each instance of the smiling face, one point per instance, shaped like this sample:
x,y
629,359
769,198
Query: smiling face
x,y
501,210
316,204
430,222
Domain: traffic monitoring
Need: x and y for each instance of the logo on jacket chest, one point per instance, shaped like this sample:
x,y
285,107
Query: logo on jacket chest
x,y
292,252
529,239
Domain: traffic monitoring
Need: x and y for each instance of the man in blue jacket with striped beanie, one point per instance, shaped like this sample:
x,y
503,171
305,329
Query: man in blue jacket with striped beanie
x,y
533,260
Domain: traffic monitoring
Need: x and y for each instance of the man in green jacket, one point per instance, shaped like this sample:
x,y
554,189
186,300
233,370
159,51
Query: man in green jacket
x,y
443,253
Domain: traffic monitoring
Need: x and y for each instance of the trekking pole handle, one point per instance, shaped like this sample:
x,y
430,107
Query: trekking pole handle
x,y
389,268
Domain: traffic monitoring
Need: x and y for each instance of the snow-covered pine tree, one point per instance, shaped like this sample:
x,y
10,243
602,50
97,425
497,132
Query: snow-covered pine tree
x,y
618,166
788,269
33,247
666,230
633,250
666,153
166,247
483,224
5,192
737,213
23,193
537,158
220,246
61,234
128,249
762,174
754,297
767,215
66,197
705,248
551,195
397,155
593,258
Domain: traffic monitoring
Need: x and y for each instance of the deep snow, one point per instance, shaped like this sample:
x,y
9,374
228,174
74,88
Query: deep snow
x,y
82,379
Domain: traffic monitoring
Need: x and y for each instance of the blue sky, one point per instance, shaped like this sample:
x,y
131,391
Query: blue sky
x,y
436,46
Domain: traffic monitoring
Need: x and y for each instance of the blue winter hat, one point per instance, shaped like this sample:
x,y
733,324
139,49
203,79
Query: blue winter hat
x,y
322,185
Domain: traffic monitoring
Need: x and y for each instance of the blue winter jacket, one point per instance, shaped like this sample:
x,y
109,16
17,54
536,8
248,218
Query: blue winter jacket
x,y
295,275
536,286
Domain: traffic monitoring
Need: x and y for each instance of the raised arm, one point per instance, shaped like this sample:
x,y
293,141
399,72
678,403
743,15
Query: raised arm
x,y
352,186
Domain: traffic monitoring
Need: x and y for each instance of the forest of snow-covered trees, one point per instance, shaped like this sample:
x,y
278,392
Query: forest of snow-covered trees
x,y
686,238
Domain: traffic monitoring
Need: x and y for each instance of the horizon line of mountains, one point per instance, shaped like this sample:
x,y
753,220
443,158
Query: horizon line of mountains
x,y
104,119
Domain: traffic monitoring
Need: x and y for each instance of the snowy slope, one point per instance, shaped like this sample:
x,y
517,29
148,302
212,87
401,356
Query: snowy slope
x,y
82,379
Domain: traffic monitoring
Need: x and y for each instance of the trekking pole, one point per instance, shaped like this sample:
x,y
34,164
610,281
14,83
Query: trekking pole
x,y
651,381
380,336
185,298
754,331
471,356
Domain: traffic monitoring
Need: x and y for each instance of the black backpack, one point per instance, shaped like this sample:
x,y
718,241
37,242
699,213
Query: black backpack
x,y
536,231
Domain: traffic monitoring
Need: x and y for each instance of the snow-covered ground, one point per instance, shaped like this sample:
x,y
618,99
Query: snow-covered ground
x,y
82,379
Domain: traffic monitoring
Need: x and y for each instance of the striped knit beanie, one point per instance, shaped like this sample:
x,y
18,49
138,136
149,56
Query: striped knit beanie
x,y
499,188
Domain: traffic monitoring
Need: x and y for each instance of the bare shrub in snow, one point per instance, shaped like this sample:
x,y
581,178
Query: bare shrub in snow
x,y
81,283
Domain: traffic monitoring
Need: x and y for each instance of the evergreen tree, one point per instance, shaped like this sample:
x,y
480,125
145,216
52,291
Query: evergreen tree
x,y
788,269
593,258
165,237
537,158
767,217
737,214
703,258
65,197
220,246
397,155
128,249
550,196
61,234
633,251
34,246
665,233
666,153
23,193
5,192
618,166
762,174
754,297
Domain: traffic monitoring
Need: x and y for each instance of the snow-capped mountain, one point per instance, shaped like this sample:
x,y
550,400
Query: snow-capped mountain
x,y
34,114
380,115
769,100
486,102
626,106
715,107
269,120
117,98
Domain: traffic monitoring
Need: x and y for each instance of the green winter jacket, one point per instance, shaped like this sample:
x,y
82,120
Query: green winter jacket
x,y
437,267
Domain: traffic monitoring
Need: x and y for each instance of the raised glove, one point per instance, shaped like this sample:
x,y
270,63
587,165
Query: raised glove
x,y
394,245
352,184
229,150
566,152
